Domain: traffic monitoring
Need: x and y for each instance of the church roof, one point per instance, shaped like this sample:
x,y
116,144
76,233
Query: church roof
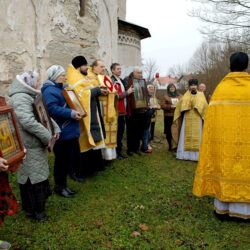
x,y
143,32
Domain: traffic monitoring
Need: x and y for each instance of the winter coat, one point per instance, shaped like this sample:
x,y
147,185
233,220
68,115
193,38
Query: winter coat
x,y
131,111
166,105
34,135
59,111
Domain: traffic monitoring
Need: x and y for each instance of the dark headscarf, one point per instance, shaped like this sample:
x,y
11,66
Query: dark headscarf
x,y
238,62
173,94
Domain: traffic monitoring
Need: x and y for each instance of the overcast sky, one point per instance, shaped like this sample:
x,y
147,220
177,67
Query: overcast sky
x,y
175,35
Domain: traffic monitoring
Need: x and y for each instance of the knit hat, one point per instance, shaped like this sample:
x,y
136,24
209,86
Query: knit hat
x,y
30,78
79,61
54,71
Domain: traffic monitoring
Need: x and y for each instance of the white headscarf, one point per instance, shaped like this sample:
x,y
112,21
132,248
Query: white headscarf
x,y
30,78
54,71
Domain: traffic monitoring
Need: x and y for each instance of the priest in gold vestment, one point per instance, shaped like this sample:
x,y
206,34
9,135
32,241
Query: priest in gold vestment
x,y
81,79
189,115
224,164
108,108
99,128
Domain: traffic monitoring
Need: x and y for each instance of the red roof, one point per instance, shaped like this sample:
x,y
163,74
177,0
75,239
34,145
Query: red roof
x,y
167,80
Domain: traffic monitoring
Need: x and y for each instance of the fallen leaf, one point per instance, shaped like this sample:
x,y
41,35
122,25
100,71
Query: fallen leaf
x,y
143,227
98,223
14,243
178,202
135,234
108,245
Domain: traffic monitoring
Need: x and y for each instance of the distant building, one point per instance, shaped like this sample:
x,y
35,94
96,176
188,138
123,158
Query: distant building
x,y
162,82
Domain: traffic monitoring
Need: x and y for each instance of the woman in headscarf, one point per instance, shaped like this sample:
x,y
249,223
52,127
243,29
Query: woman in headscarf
x,y
66,149
168,104
34,172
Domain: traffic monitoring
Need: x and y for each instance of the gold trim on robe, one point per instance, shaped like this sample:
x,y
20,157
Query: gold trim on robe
x,y
110,113
82,86
195,107
224,166
192,131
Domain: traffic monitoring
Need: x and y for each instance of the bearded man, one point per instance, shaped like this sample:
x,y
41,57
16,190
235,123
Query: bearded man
x,y
189,112
91,127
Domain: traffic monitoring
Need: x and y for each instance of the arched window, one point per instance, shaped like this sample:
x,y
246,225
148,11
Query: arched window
x,y
82,7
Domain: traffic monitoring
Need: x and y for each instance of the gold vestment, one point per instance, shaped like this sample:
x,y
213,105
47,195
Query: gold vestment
x,y
194,107
82,86
224,166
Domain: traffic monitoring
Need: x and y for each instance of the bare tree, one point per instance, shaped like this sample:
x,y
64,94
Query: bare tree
x,y
200,60
177,70
209,63
150,68
227,19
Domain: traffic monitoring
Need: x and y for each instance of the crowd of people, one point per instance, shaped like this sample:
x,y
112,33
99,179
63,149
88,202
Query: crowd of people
x,y
84,143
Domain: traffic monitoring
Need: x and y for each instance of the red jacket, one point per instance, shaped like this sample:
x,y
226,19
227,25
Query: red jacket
x,y
121,96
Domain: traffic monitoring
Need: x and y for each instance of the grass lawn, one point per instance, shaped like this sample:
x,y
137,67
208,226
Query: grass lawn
x,y
144,202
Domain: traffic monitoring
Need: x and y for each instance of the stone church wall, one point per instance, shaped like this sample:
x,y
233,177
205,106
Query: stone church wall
x,y
36,34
